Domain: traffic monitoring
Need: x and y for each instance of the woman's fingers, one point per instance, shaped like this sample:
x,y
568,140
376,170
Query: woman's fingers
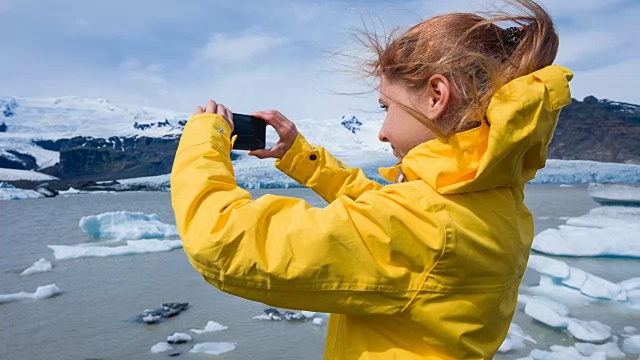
x,y
198,110
226,114
211,107
285,128
277,151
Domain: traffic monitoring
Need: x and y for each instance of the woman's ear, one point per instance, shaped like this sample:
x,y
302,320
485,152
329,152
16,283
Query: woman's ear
x,y
438,94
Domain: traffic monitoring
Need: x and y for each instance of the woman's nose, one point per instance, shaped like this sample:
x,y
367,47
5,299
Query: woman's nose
x,y
381,136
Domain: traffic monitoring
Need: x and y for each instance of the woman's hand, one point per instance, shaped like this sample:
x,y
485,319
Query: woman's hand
x,y
286,131
214,108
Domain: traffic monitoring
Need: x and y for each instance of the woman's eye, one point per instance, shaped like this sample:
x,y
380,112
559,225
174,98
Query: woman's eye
x,y
383,107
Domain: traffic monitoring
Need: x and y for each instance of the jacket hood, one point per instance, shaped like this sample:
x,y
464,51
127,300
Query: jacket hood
x,y
506,150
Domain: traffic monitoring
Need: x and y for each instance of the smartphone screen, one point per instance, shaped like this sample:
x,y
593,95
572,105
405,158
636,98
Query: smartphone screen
x,y
251,132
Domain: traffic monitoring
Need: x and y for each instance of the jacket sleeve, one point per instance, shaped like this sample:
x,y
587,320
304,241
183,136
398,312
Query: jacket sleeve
x,y
314,167
285,253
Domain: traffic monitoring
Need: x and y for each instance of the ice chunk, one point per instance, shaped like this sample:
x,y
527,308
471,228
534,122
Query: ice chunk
x,y
630,284
600,288
590,331
548,266
564,353
515,339
548,312
631,345
630,330
18,194
210,327
318,321
133,247
270,314
42,292
523,299
151,318
39,266
308,314
577,278
178,338
615,193
213,348
607,216
579,241
126,225
611,349
161,347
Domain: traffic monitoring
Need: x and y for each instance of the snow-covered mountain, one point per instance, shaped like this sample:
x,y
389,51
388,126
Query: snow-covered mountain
x,y
25,120
32,128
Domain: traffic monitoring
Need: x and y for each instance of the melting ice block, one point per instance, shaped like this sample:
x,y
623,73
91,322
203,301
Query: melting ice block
x,y
563,353
126,225
133,247
178,338
161,347
515,339
210,327
631,345
611,349
546,265
42,292
590,331
213,348
556,273
548,312
39,266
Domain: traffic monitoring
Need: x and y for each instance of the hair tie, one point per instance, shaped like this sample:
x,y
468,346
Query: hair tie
x,y
513,36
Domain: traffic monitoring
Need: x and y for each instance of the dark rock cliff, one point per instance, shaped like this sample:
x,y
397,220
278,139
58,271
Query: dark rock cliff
x,y
599,130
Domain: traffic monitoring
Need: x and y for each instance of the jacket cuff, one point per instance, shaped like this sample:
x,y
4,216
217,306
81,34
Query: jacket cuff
x,y
301,161
206,129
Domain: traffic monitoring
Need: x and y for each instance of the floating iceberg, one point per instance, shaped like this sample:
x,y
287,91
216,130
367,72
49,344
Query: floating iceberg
x,y
9,192
161,347
210,327
127,225
631,345
515,339
556,273
604,231
42,292
133,247
563,353
178,338
213,348
39,266
615,194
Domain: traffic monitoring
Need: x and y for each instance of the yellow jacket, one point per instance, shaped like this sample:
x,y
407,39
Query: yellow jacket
x,y
425,269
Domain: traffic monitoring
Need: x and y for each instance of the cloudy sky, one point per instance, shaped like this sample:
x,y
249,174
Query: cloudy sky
x,y
267,54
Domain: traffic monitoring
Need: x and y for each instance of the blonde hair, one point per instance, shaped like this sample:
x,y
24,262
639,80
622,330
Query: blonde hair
x,y
475,54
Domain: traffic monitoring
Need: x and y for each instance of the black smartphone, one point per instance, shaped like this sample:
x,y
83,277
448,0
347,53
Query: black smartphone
x,y
251,132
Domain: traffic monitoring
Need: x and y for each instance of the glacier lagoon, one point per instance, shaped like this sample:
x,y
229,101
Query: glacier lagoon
x,y
93,313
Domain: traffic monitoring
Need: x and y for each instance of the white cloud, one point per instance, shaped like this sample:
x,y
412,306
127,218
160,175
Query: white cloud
x,y
578,46
145,74
223,48
617,82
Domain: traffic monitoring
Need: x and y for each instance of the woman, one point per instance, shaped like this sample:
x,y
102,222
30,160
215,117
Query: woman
x,y
429,266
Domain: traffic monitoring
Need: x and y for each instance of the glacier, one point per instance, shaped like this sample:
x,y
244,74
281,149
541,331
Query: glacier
x,y
126,225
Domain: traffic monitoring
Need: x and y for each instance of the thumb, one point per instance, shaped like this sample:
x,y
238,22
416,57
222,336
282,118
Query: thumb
x,y
260,153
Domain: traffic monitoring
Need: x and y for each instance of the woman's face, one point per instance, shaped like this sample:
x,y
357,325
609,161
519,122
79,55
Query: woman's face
x,y
401,130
